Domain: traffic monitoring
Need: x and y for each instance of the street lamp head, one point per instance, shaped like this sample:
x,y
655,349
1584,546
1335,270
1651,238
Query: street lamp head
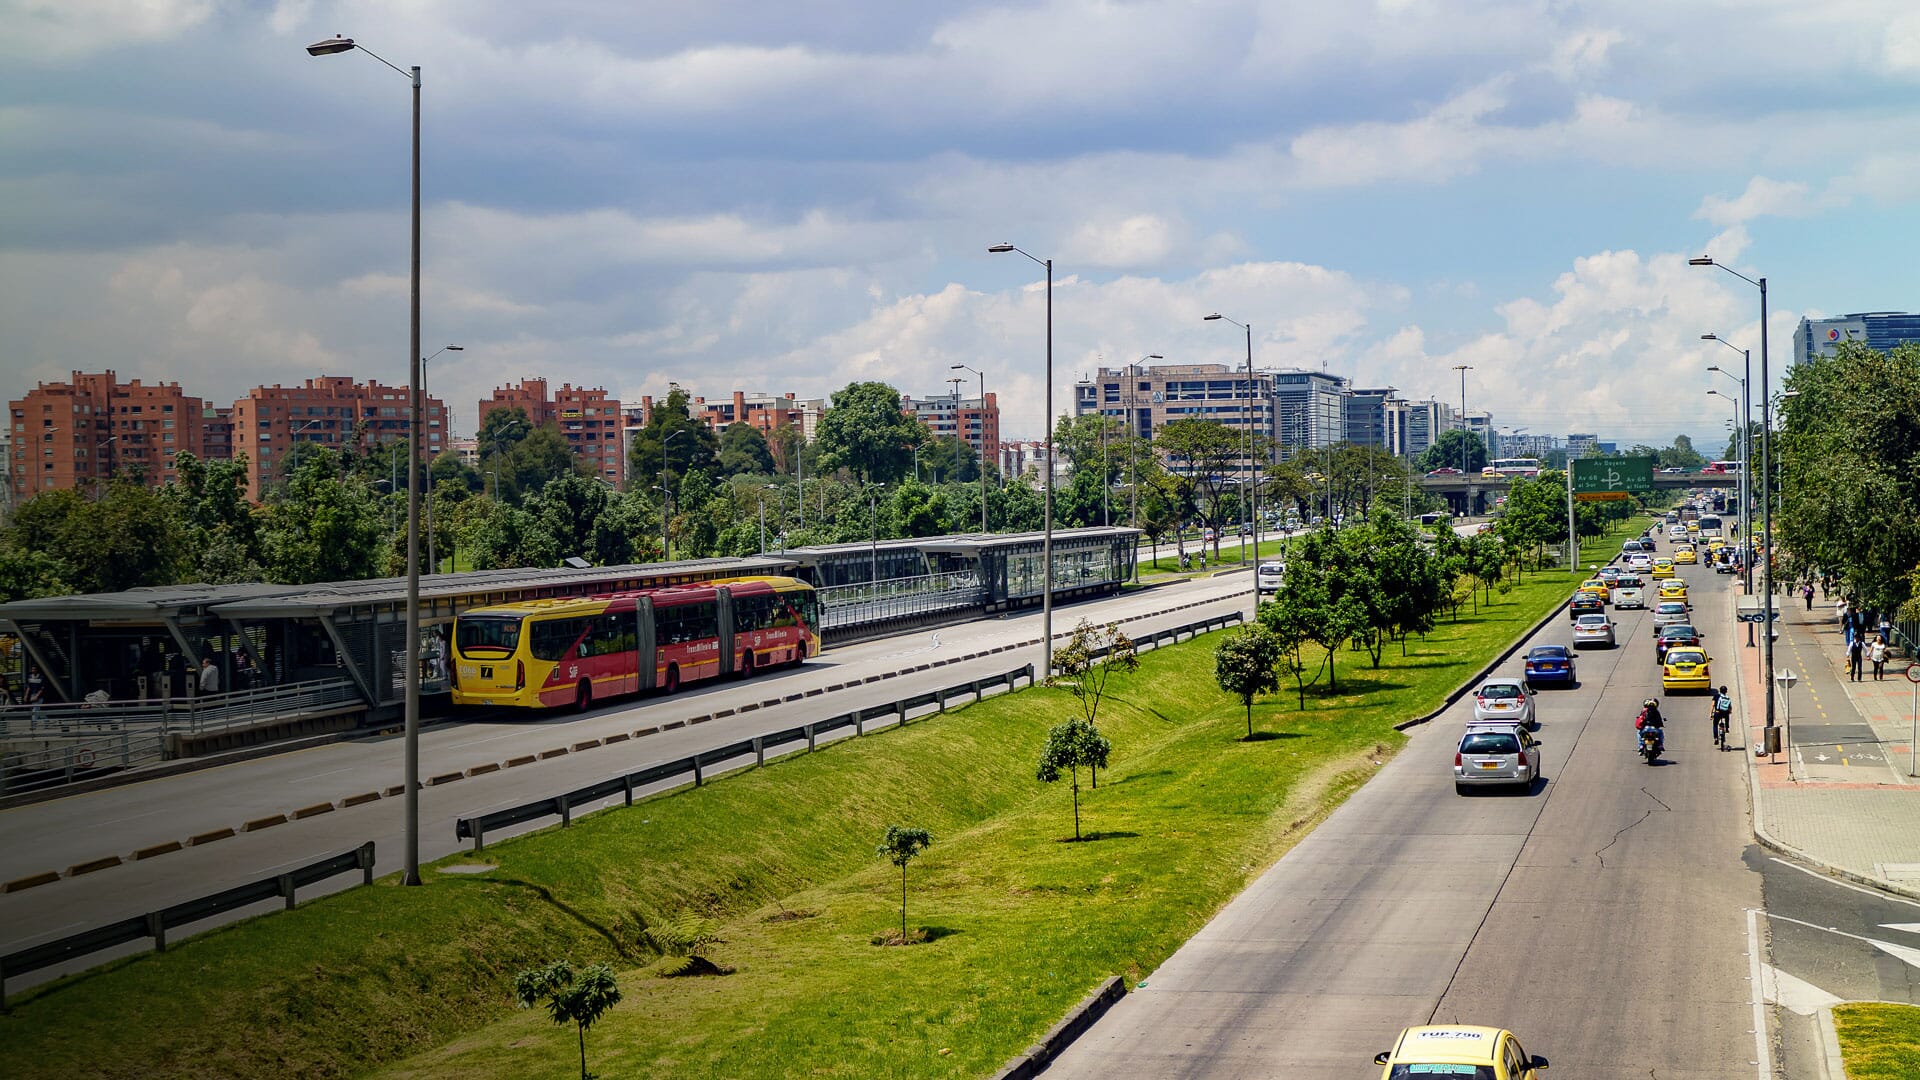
x,y
335,44
955,367
1709,337
1212,317
1154,356
1000,249
1701,261
455,348
1713,367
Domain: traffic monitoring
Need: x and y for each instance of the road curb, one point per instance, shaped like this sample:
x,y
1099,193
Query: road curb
x,y
1071,1026
1461,690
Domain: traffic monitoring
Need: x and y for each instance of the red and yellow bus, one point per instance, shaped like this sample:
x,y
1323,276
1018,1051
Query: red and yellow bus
x,y
576,650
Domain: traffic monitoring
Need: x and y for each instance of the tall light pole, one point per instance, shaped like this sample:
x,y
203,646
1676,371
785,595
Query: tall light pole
x,y
1746,465
1465,473
1252,499
983,424
433,558
666,537
412,707
1746,456
497,436
1133,456
873,523
1766,493
1046,542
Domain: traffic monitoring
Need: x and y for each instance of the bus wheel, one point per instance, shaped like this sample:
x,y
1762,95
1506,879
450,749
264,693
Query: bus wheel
x,y
583,697
746,665
673,678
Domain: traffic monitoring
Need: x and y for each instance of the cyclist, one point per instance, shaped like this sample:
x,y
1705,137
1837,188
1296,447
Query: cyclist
x,y
1722,716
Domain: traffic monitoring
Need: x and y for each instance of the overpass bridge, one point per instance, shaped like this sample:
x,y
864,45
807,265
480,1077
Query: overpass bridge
x,y
1457,489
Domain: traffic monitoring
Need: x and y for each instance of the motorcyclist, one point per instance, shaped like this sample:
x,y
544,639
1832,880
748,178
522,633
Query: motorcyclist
x,y
1650,718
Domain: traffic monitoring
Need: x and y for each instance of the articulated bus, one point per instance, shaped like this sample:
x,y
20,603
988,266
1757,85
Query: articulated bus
x,y
1720,468
573,650
1710,526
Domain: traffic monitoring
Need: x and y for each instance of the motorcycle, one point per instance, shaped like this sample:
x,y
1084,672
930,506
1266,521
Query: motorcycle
x,y
1652,741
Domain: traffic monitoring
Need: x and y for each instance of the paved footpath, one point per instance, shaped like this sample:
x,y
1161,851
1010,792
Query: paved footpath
x,y
1841,796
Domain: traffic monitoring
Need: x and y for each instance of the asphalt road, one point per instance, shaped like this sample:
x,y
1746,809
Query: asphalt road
x,y
1603,916
120,820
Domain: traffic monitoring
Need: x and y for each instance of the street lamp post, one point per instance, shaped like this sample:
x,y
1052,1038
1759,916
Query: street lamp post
x,y
666,537
1465,472
329,47
1252,499
1766,491
1133,458
983,407
1740,440
873,523
1046,542
1746,456
433,558
497,436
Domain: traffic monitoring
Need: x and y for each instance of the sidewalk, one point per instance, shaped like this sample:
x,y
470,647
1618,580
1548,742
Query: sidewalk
x,y
1840,796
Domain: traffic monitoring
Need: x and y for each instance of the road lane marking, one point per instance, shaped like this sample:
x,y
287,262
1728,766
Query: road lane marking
x,y
1762,1049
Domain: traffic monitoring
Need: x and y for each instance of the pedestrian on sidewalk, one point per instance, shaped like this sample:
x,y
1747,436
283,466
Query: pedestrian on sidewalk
x,y
1878,653
1807,591
1854,649
1840,611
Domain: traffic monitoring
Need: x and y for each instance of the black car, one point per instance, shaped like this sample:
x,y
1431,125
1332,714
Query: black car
x,y
1674,634
1585,603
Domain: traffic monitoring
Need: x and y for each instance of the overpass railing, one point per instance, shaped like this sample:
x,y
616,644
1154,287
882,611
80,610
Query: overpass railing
x,y
877,602
196,714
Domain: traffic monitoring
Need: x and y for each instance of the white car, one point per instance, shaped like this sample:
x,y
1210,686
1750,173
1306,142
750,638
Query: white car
x,y
1640,562
1593,630
1669,613
1629,596
1504,699
1268,578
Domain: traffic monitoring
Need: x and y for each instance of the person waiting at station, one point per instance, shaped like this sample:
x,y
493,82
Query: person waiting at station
x,y
209,676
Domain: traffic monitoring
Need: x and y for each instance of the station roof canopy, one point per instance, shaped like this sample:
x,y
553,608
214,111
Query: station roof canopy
x,y
255,600
965,543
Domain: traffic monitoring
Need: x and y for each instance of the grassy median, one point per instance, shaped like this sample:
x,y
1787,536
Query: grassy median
x,y
1021,922
1879,1041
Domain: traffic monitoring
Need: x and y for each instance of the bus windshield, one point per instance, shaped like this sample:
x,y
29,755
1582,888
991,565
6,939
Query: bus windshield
x,y
496,633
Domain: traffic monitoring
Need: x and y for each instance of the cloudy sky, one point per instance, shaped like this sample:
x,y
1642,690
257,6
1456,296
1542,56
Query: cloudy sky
x,y
785,197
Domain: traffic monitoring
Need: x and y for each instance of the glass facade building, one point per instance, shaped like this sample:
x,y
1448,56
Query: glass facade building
x,y
1881,330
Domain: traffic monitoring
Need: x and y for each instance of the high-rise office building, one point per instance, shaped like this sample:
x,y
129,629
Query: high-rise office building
x,y
589,419
1425,421
92,427
1144,399
1377,417
1880,330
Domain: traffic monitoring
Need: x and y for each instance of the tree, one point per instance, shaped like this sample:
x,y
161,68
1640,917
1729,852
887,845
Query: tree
x,y
744,452
127,537
672,444
579,999
1445,452
865,433
1073,746
320,527
1246,664
542,457
1207,452
1087,660
900,844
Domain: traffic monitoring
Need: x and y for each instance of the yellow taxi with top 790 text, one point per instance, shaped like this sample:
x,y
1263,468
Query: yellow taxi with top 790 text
x,y
1459,1051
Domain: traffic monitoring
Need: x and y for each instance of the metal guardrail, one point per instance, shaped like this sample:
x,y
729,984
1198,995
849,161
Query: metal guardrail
x,y
561,806
155,924
192,715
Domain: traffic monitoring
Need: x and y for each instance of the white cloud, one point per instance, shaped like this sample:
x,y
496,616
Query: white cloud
x,y
73,29
1763,197
1583,53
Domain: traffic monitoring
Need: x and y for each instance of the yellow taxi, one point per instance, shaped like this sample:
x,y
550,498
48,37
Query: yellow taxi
x,y
1673,589
1459,1050
1662,568
1685,668
1597,587
1685,555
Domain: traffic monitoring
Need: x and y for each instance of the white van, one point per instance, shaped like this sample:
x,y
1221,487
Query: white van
x,y
1267,579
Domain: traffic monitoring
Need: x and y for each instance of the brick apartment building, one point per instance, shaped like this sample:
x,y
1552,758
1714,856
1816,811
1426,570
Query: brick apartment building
x,y
590,420
974,419
332,410
83,431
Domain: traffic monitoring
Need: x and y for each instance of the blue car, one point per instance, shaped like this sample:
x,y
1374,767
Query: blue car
x,y
1550,664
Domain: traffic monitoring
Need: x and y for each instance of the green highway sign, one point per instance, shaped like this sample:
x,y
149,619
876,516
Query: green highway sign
x,y
1593,475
